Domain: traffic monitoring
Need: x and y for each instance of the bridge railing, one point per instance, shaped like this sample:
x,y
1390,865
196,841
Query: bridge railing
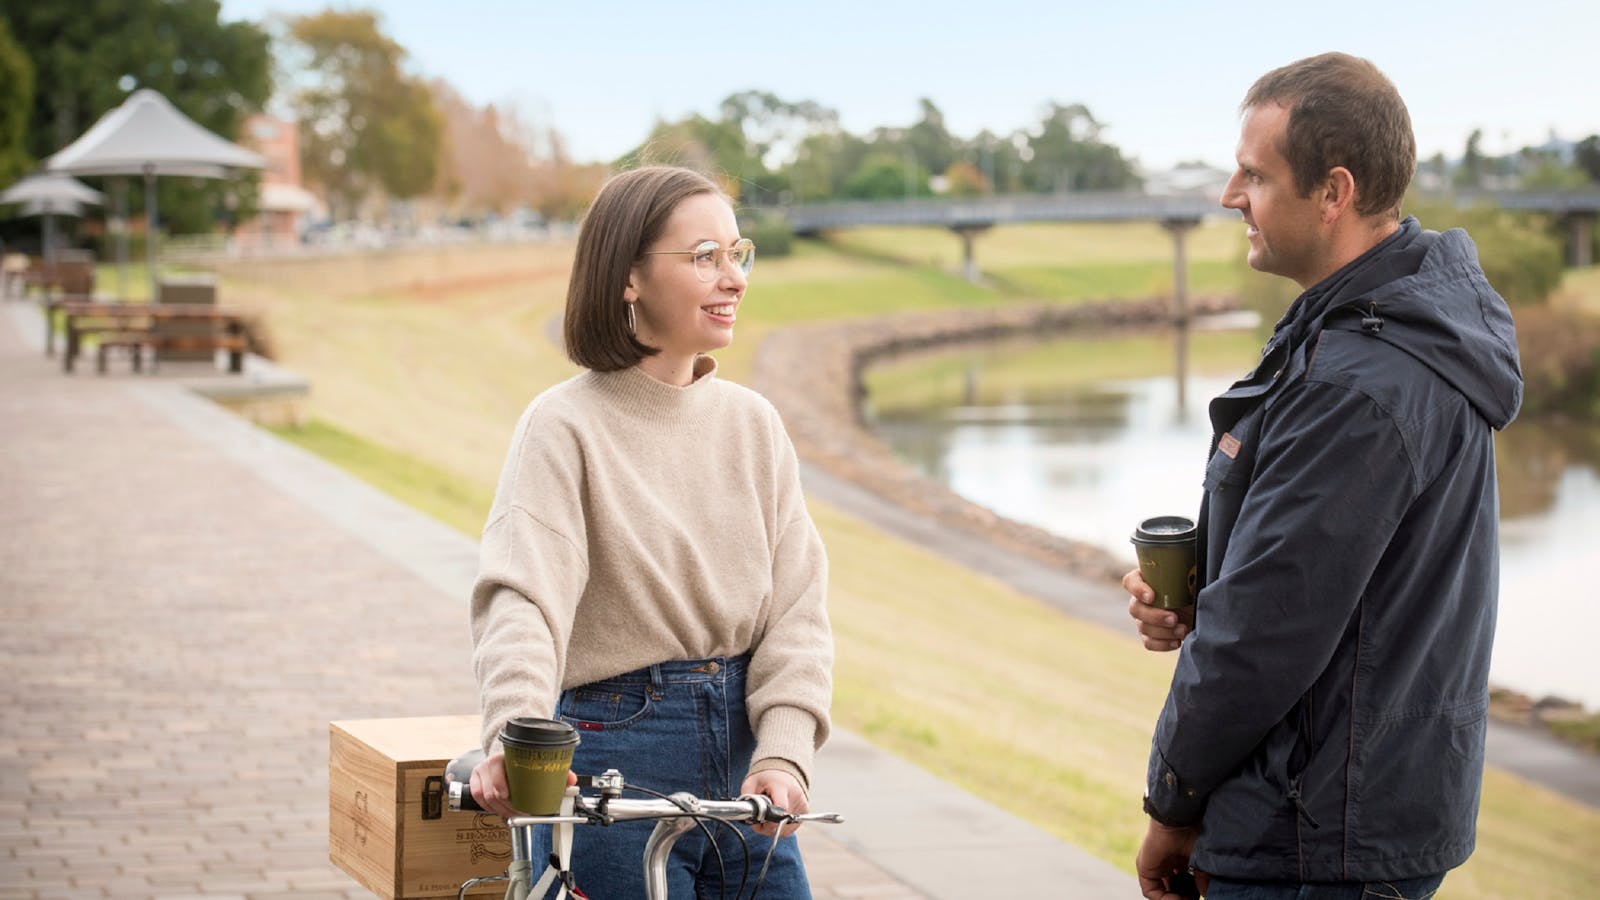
x,y
1106,207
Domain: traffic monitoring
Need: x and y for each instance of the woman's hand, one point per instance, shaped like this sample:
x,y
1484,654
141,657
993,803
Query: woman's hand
x,y
783,790
489,786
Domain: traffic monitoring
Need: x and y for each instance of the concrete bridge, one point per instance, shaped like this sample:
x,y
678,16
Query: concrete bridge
x,y
969,217
1576,209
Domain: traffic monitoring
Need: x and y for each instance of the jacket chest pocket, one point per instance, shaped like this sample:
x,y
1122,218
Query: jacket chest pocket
x,y
1228,471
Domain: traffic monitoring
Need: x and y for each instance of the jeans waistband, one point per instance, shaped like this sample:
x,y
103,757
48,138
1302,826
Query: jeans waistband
x,y
682,671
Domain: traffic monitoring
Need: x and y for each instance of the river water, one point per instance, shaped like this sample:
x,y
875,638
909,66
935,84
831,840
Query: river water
x,y
1088,461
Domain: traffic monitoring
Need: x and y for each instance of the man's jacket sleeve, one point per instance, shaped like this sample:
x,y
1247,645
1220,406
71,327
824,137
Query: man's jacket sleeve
x,y
1333,477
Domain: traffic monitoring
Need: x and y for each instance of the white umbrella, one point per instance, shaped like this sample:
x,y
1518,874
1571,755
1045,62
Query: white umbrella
x,y
148,136
49,196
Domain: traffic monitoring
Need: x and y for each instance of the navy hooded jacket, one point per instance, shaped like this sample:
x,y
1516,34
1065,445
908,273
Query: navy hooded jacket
x,y
1326,718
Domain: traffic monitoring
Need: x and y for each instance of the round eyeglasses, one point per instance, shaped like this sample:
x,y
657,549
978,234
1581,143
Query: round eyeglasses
x,y
709,257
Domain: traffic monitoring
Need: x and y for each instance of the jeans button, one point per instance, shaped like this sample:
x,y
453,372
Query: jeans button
x,y
712,668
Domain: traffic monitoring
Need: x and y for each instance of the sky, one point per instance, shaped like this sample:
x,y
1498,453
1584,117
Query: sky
x,y
1164,76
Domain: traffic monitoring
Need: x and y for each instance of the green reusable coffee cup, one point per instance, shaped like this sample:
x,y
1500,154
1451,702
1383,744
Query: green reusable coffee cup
x,y
1165,546
538,755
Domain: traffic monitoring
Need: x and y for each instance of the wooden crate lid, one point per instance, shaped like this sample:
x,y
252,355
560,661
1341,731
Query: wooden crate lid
x,y
420,738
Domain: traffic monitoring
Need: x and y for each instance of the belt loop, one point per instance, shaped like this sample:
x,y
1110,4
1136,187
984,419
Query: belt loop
x,y
656,680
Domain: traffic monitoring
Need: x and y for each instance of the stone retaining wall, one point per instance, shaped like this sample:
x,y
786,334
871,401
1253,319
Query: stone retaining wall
x,y
813,375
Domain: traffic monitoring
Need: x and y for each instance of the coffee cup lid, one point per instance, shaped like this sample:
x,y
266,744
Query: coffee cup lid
x,y
1164,530
528,731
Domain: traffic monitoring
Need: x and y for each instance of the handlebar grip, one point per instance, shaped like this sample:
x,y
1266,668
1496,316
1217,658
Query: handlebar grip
x,y
775,813
461,799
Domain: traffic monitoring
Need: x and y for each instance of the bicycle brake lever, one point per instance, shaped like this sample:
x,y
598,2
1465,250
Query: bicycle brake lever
x,y
829,818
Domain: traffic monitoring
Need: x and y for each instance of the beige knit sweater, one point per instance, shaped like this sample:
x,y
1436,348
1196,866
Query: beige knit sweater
x,y
637,522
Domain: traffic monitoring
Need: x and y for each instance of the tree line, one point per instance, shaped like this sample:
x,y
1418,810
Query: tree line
x,y
773,151
375,137
372,132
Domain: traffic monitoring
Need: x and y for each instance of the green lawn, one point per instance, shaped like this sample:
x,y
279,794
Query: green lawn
x,y
417,392
462,503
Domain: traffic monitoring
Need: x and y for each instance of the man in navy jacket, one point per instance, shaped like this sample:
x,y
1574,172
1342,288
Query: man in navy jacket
x,y
1325,724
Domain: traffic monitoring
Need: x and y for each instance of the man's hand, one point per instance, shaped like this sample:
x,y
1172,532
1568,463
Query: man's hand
x,y
783,790
1161,629
1165,853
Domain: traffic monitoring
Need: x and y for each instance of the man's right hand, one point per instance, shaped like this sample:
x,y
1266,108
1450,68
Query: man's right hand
x,y
1161,629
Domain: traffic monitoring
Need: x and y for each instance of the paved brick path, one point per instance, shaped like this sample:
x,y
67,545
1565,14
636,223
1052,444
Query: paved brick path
x,y
176,631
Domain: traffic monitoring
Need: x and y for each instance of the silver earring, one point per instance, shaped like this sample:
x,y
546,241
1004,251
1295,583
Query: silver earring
x,y
633,324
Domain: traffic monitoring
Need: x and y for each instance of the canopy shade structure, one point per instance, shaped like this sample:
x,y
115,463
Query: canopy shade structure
x,y
149,136
50,188
50,195
52,208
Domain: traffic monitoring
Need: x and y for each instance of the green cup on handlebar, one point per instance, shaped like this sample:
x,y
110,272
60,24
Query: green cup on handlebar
x,y
538,755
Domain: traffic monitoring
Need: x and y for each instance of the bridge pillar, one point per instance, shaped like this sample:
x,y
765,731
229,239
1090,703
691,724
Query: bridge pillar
x,y
968,232
1580,225
1179,228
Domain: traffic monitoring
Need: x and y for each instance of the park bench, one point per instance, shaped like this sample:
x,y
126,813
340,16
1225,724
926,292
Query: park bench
x,y
137,341
137,326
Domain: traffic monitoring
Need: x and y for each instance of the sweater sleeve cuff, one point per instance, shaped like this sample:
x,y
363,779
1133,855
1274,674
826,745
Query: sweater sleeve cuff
x,y
774,764
1168,798
788,734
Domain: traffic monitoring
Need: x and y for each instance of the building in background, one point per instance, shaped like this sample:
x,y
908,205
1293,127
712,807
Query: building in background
x,y
1186,179
284,205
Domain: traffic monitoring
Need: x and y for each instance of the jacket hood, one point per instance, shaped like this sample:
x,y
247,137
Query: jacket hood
x,y
1440,309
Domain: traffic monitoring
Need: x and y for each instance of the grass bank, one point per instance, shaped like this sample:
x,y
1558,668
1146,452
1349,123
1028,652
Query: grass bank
x,y
417,389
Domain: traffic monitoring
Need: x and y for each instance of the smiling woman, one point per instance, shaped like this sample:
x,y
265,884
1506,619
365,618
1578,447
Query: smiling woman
x,y
612,565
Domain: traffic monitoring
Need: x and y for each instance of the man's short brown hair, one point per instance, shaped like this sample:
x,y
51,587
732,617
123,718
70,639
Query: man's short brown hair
x,y
1343,112
626,217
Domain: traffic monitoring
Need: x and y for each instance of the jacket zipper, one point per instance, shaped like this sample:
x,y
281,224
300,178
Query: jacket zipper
x,y
1300,807
1305,739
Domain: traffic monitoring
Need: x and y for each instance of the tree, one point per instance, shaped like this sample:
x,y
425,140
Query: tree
x,y
482,167
717,148
887,175
1586,156
1553,175
774,130
1068,154
495,158
16,98
932,145
89,56
773,127
823,163
963,179
1470,173
365,125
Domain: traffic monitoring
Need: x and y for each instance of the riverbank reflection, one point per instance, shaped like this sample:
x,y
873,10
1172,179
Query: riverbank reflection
x,y
1088,460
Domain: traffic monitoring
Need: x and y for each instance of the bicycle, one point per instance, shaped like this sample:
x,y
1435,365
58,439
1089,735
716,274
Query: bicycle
x,y
674,815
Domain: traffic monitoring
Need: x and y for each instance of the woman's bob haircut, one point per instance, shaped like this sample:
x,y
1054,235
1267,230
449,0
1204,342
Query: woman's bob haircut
x,y
627,216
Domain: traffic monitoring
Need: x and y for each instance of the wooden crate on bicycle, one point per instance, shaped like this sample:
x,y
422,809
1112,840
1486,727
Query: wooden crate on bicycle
x,y
388,822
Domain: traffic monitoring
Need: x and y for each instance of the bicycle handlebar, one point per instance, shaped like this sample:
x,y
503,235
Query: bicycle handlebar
x,y
749,808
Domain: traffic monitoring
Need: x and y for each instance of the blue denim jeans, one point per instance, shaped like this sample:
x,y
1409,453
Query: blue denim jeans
x,y
677,726
1407,889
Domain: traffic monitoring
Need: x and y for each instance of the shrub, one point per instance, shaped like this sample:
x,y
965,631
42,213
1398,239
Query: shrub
x,y
1560,361
772,235
1519,252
